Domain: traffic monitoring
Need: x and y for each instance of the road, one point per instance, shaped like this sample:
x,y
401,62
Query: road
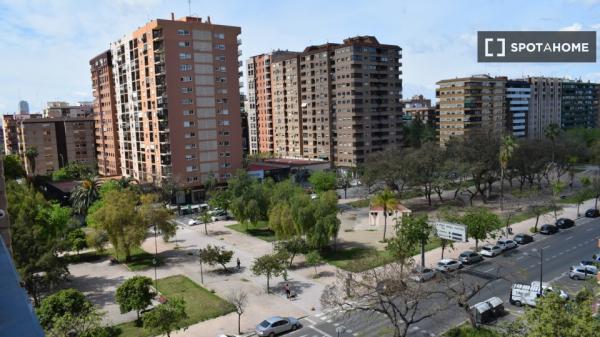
x,y
522,265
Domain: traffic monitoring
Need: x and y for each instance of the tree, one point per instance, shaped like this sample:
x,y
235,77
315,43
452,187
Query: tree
x,y
72,171
76,239
154,213
213,255
445,243
166,318
31,154
323,181
326,222
538,210
580,197
135,295
387,201
249,198
344,180
595,189
96,238
239,299
292,247
205,218
85,194
13,168
507,149
480,222
552,132
68,313
416,230
313,259
268,266
557,188
120,219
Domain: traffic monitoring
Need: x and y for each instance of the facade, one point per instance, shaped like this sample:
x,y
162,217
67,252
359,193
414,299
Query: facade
x,y
470,103
579,105
544,105
518,94
178,102
59,141
287,122
105,115
418,107
259,74
64,109
377,217
9,131
23,107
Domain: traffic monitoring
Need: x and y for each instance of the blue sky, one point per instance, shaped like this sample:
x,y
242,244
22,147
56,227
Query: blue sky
x,y
46,45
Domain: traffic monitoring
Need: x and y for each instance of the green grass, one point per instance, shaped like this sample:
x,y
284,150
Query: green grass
x,y
201,304
139,259
360,203
91,256
466,330
259,230
357,259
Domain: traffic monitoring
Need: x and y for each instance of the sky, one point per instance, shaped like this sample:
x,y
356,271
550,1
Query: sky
x,y
46,45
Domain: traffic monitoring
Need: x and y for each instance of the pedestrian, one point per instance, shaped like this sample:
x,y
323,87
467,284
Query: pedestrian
x,y
239,264
287,291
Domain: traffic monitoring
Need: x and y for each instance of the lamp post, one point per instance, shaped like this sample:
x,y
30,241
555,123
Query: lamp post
x,y
541,251
155,260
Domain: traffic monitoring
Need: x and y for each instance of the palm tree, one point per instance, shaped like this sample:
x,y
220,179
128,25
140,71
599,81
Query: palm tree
x,y
551,132
31,154
85,194
386,200
507,148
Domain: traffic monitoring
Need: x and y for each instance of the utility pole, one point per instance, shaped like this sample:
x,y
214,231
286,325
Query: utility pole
x,y
155,260
541,268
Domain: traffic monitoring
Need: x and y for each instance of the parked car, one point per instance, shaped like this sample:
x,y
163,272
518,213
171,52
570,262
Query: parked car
x,y
592,213
218,216
548,229
275,325
192,222
422,275
589,263
506,244
490,250
223,335
523,239
448,265
469,257
583,272
563,223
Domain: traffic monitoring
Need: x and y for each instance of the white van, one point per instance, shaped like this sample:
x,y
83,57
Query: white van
x,y
527,294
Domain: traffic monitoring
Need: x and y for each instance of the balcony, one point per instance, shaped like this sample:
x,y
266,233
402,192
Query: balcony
x,y
239,41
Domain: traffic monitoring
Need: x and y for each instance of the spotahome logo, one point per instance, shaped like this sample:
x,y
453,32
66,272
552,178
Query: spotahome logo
x,y
536,46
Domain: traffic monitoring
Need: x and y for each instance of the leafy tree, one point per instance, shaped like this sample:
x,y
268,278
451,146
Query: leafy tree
x,y
220,199
154,213
268,266
239,299
292,247
594,188
417,133
13,168
327,224
480,222
416,230
97,238
344,179
76,239
323,181
120,219
72,171
249,198
85,194
134,295
166,318
58,219
281,221
313,259
580,197
388,202
35,240
387,167
552,132
213,255
205,218
60,303
31,154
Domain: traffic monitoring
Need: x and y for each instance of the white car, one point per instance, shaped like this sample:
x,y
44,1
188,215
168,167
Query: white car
x,y
218,216
506,244
583,272
422,275
223,335
192,222
490,250
447,265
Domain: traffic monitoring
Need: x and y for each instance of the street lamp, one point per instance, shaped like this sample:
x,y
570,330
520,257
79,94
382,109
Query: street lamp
x,y
155,260
541,251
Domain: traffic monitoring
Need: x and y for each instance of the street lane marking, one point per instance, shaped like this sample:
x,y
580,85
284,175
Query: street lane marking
x,y
310,320
569,238
546,247
320,331
520,258
489,270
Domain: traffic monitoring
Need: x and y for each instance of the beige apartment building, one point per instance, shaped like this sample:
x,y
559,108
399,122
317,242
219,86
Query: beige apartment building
x,y
335,102
59,141
9,130
105,115
178,103
544,104
470,103
64,109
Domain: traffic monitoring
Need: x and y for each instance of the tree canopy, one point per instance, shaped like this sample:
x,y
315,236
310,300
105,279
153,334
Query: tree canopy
x,y
134,294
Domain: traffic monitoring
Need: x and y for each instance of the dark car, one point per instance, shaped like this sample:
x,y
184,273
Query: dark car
x,y
523,239
563,223
592,213
548,229
469,257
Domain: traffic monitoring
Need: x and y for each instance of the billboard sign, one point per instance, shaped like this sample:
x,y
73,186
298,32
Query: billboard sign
x,y
451,231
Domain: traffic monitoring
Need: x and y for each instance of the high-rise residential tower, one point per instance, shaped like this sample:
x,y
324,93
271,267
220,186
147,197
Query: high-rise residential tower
x,y
178,102
544,105
23,107
105,115
579,105
518,93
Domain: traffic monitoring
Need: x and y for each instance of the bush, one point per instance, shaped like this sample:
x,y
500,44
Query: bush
x,y
533,230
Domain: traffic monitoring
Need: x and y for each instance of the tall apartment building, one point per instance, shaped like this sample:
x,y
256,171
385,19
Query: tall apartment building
x,y
59,141
64,109
469,103
10,132
105,115
178,102
335,102
579,105
259,95
23,107
518,94
544,105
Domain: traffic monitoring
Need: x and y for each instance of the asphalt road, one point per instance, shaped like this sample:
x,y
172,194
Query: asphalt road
x,y
520,265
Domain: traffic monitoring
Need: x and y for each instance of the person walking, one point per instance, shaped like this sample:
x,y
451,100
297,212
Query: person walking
x,y
239,264
287,290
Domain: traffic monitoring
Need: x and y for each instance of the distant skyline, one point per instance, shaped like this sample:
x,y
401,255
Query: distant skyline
x,y
47,44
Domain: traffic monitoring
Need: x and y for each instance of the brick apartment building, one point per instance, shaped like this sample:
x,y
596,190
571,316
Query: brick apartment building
x,y
10,133
418,107
177,102
332,102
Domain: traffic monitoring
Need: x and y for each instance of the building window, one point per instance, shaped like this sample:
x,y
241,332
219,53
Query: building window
x,y
183,32
191,168
190,157
220,46
187,124
185,67
190,135
184,43
219,36
185,56
220,68
187,90
190,146
220,58
186,79
186,101
188,112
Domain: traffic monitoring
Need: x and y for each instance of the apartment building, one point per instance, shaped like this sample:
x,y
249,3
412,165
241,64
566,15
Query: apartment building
x,y
470,103
64,109
418,107
259,88
518,94
287,121
105,115
10,133
544,105
59,141
178,102
23,107
579,105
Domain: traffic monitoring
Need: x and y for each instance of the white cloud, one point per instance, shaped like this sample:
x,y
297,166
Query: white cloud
x,y
573,28
595,26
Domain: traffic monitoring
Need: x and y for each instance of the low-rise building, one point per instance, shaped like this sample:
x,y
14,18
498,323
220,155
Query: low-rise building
x,y
64,109
418,107
377,216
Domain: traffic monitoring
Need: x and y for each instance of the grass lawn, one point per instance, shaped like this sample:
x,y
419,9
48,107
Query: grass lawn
x,y
361,203
522,216
466,330
90,256
259,230
201,304
139,259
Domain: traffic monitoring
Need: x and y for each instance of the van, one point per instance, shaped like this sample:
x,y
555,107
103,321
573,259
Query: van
x,y
527,294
